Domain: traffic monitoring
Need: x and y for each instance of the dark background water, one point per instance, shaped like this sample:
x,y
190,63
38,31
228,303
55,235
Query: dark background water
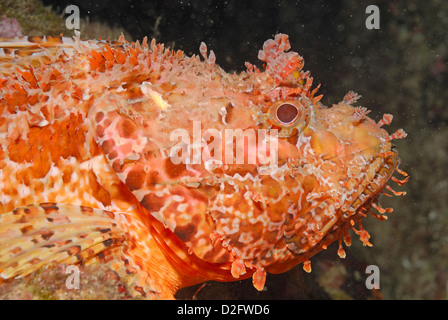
x,y
399,69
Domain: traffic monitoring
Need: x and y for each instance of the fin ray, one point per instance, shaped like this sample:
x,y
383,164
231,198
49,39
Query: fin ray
x,y
26,246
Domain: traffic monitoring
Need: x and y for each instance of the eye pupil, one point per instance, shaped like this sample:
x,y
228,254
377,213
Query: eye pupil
x,y
287,113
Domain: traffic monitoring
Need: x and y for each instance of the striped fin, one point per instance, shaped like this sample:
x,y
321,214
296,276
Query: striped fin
x,y
19,50
36,235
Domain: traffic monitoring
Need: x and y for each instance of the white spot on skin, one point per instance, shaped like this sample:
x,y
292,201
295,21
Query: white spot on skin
x,y
74,176
23,191
154,95
177,198
43,123
5,199
223,113
182,207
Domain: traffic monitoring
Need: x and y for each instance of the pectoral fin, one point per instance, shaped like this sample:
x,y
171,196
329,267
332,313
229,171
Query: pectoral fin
x,y
36,235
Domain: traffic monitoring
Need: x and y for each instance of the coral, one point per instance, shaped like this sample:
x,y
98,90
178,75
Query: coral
x,y
9,27
50,283
35,19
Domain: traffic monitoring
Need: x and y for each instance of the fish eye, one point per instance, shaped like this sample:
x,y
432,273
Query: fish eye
x,y
288,115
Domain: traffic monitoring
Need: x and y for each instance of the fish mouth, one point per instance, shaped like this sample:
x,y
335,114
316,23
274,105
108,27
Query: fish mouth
x,y
378,174
310,240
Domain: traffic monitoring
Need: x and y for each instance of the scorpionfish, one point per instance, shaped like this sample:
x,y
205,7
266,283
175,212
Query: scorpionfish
x,y
90,171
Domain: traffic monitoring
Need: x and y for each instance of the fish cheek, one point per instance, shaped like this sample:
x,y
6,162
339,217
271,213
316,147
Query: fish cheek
x,y
325,143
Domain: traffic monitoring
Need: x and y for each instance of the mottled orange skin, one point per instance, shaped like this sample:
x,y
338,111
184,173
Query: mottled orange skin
x,y
88,125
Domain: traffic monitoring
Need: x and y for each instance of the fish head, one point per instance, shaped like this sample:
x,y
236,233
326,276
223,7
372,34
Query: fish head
x,y
250,171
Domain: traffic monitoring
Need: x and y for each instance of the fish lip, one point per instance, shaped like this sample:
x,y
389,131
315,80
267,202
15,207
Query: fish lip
x,y
375,186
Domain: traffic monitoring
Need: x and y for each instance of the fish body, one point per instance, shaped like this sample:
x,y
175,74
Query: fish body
x,y
173,171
